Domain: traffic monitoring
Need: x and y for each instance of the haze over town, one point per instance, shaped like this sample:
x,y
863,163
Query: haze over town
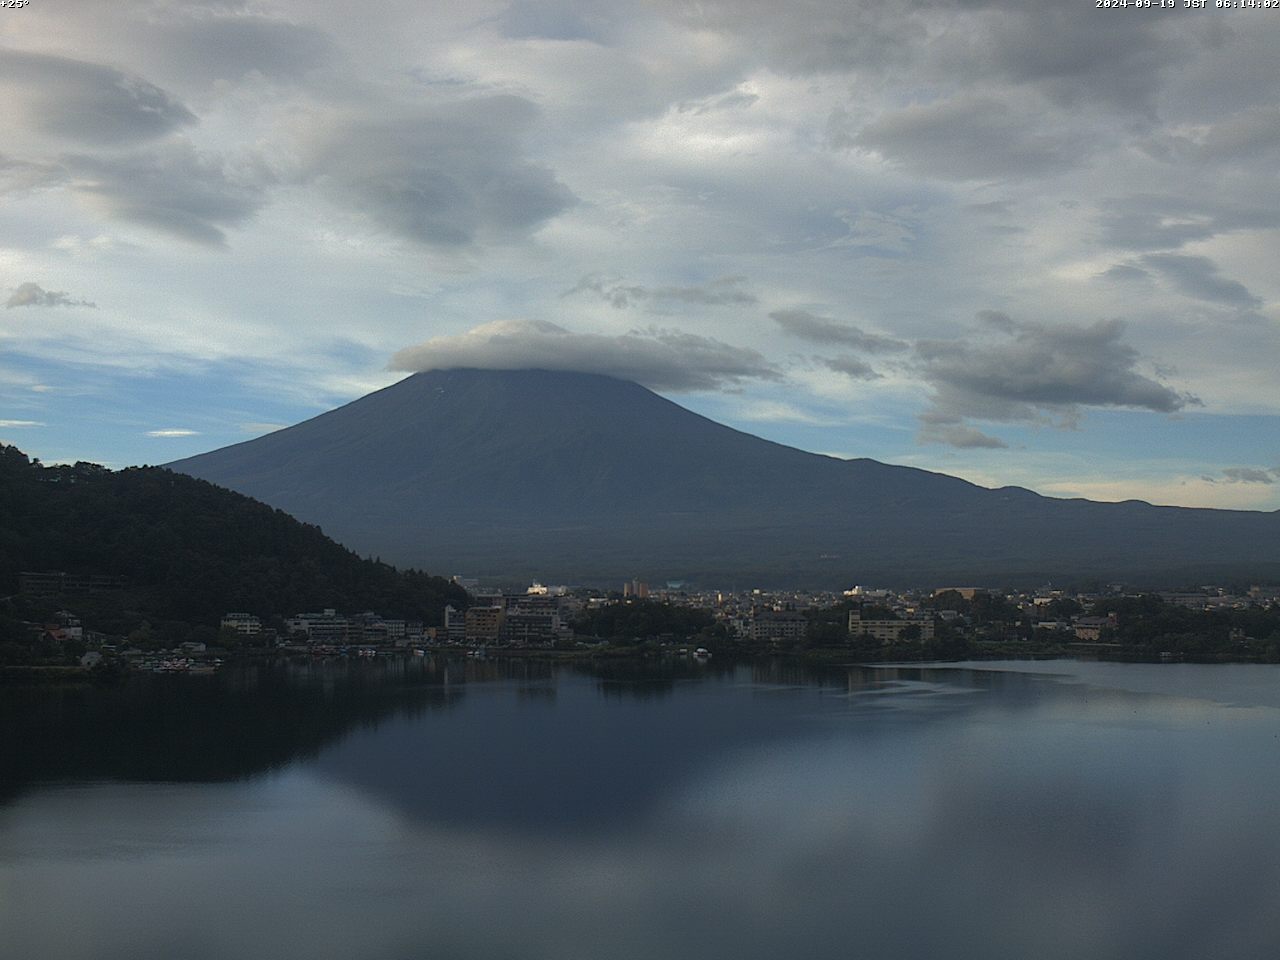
x,y
1022,243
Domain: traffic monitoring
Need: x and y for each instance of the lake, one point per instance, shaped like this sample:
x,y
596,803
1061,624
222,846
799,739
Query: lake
x,y
523,809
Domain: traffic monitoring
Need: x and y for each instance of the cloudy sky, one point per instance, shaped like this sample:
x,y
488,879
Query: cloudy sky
x,y
1024,243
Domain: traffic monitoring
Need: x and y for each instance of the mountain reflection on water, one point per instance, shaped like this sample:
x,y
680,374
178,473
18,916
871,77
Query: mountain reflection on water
x,y
448,808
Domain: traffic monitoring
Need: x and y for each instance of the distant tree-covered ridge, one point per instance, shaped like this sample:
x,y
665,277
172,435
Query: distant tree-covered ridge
x,y
636,620
185,552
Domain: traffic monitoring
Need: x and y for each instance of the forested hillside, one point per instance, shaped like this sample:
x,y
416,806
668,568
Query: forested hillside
x,y
186,552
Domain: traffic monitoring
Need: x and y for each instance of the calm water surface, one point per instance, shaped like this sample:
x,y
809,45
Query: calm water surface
x,y
446,809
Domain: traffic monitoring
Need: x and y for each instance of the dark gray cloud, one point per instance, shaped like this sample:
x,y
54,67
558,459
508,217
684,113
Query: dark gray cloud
x,y
819,329
994,208
556,20
1072,59
172,188
1244,139
724,291
850,366
998,320
733,100
966,138
177,190
19,175
231,47
1250,475
87,102
1248,135
1047,367
1033,45
1036,374
661,359
940,428
810,36
1198,277
1162,222
1125,272
31,294
446,175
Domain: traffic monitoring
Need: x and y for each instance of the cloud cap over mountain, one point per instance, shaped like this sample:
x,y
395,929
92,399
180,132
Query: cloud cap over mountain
x,y
657,358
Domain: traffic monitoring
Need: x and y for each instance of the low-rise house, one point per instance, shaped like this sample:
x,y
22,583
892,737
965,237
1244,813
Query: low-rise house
x,y
1056,626
1089,629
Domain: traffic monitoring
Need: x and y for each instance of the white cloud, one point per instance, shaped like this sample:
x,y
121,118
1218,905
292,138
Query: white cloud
x,y
31,294
723,291
169,432
774,411
262,427
12,424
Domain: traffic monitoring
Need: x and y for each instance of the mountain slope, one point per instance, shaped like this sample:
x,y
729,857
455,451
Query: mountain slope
x,y
584,477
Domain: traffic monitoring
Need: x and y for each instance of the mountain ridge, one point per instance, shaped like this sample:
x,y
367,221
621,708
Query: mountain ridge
x,y
586,478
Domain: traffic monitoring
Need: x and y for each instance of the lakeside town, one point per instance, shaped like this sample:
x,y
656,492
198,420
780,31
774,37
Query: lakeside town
x,y
1208,622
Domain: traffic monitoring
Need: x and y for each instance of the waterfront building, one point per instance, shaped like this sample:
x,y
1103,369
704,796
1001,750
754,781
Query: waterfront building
x,y
245,624
324,627
483,624
778,626
889,631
